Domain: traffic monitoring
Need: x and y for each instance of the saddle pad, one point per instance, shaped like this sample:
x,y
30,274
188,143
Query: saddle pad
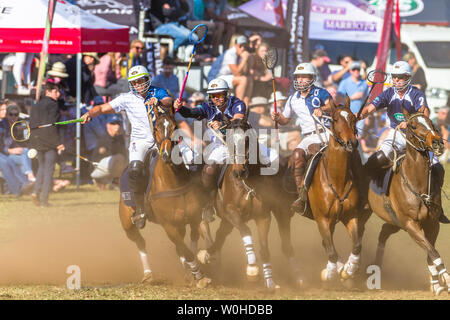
x,y
311,167
380,184
222,174
125,191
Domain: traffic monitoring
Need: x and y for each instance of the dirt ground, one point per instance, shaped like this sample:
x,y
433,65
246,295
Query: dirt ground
x,y
82,228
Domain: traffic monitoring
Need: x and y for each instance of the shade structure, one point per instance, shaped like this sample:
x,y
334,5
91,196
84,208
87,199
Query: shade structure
x,y
22,27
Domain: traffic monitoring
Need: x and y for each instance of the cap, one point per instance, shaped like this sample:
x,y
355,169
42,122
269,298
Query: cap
x,y
279,95
242,40
323,54
257,101
114,118
355,65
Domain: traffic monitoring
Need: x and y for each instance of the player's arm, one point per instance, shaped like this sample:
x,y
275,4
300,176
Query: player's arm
x,y
96,111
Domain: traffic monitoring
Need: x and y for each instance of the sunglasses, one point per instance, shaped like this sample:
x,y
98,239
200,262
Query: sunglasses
x,y
139,48
400,76
13,114
356,69
217,95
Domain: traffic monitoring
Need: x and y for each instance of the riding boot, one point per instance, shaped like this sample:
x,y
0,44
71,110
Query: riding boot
x,y
208,181
299,159
135,176
437,181
376,163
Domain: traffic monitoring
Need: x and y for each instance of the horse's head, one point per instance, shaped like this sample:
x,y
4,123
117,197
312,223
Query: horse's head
x,y
164,126
343,125
241,144
421,133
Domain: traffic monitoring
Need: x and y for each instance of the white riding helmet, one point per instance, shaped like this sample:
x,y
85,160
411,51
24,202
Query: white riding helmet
x,y
402,68
138,72
217,85
306,69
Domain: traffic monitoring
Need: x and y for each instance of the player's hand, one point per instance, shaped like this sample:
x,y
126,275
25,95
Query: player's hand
x,y
60,149
87,118
153,101
275,116
402,125
215,125
177,103
318,112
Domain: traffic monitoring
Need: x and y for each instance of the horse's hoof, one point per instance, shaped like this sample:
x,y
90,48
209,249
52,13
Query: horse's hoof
x,y
252,273
203,282
328,275
148,278
203,256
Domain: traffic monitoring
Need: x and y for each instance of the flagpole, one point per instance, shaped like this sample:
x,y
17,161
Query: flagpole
x,y
45,44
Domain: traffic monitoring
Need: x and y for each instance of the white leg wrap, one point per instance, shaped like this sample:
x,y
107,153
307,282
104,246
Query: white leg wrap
x,y
268,276
249,250
437,262
195,269
433,270
144,260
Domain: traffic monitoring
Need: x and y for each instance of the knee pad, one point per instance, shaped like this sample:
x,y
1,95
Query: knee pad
x,y
135,175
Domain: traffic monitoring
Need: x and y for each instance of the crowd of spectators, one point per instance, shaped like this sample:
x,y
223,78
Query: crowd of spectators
x,y
237,59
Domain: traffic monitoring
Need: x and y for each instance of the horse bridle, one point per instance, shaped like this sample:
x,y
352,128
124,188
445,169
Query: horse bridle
x,y
422,141
331,132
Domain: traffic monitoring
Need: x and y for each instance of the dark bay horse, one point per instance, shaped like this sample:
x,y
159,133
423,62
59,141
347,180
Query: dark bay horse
x,y
175,200
334,193
408,205
246,194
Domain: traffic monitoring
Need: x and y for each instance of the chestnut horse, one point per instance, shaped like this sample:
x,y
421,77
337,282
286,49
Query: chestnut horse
x,y
409,205
246,194
176,199
335,195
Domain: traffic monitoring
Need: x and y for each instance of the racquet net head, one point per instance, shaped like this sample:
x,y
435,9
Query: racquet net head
x,y
198,34
20,131
377,76
270,59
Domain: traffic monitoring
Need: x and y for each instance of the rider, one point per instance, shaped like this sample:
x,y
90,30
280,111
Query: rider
x,y
308,100
401,94
221,104
136,104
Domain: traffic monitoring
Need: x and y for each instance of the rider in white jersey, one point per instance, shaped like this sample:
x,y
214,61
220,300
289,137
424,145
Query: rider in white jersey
x,y
136,103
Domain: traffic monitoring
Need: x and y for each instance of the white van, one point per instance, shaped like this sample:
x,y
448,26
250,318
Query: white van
x,y
430,44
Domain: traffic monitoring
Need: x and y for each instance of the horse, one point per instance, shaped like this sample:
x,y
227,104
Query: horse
x,y
245,194
175,200
335,195
408,205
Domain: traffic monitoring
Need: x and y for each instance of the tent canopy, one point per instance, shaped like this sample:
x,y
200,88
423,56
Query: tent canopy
x,y
246,24
22,27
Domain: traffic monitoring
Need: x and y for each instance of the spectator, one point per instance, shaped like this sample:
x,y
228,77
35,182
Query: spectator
x,y
444,127
107,74
16,182
215,27
187,124
369,138
46,141
339,75
110,153
3,107
90,59
174,12
196,99
235,69
22,72
255,40
58,75
135,57
324,70
356,89
262,78
14,151
318,60
418,78
94,130
216,11
166,79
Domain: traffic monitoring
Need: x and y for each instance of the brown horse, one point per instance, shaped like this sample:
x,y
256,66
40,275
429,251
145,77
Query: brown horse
x,y
409,205
246,194
334,193
175,200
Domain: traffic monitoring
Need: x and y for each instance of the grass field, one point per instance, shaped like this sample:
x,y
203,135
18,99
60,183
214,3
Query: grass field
x,y
82,228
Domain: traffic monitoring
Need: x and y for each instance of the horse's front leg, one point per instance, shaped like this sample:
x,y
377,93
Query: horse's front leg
x,y
263,225
326,229
353,263
233,215
183,251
